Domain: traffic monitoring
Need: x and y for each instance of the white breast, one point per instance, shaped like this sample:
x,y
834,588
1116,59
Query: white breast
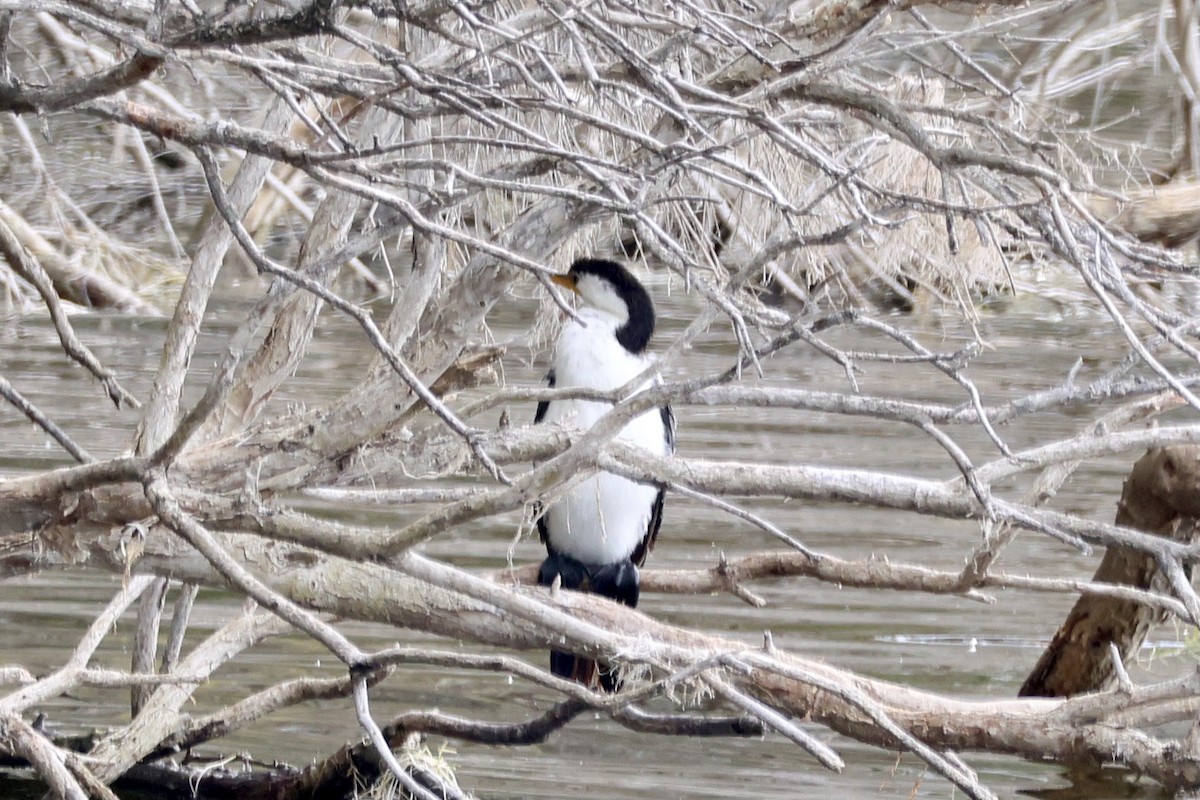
x,y
604,518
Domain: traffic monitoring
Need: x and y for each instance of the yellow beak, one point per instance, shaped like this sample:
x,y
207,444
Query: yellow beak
x,y
566,281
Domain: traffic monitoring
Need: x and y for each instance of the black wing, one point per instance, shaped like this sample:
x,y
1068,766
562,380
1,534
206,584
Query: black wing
x,y
647,544
542,407
668,420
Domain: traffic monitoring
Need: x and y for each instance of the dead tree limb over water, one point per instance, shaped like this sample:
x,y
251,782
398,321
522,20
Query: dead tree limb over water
x,y
408,175
1102,633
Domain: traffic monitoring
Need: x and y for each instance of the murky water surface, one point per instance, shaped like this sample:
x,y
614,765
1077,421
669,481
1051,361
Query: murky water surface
x,y
943,644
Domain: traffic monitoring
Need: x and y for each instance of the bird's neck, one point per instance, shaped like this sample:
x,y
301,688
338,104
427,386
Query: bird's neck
x,y
632,331
603,320
590,354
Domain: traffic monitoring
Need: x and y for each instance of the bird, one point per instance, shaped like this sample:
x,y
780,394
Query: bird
x,y
601,530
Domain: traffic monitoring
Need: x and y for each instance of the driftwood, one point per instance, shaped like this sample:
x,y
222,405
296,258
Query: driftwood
x,y
1166,215
1162,497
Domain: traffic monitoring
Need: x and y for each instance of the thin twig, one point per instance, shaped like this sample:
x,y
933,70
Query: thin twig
x,y
42,421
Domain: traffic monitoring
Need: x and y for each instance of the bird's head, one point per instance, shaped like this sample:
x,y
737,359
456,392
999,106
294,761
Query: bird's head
x,y
600,285
609,288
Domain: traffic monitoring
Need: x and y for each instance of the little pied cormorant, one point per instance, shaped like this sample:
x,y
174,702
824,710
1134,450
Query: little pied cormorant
x,y
601,530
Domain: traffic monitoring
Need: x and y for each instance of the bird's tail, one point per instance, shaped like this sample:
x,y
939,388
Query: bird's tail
x,y
617,581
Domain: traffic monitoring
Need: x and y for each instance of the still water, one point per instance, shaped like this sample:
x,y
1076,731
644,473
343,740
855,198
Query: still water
x,y
943,644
